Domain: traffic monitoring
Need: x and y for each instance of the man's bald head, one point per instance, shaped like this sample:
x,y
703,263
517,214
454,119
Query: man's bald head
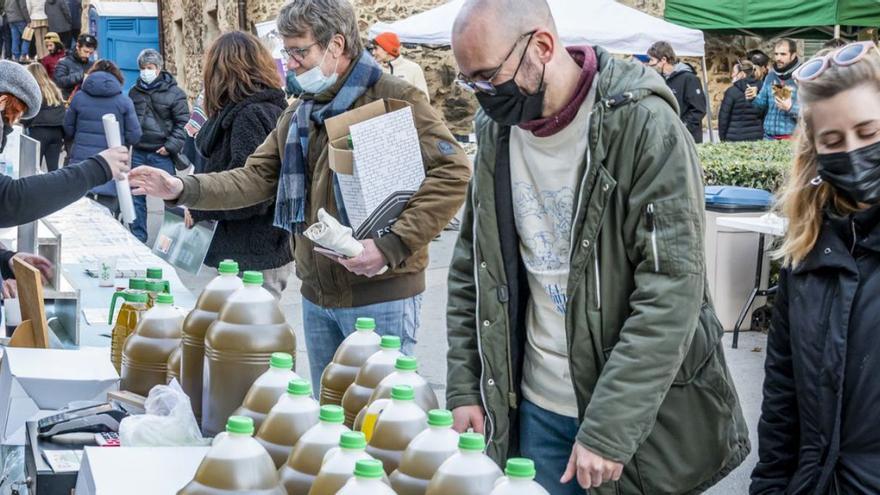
x,y
503,20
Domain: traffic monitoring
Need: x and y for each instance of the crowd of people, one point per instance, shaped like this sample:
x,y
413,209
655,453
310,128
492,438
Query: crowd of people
x,y
580,327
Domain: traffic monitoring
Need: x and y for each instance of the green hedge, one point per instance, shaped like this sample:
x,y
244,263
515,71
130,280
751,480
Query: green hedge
x,y
758,164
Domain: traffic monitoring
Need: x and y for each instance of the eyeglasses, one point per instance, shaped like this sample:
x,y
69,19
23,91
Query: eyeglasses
x,y
298,54
842,57
486,86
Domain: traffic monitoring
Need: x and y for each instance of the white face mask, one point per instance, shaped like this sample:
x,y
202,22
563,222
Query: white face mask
x,y
314,81
149,75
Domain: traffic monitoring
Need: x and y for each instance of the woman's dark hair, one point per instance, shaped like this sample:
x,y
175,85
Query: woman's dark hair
x,y
237,66
104,65
758,57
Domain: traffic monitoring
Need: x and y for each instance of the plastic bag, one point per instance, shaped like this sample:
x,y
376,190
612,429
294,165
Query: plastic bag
x,y
12,481
168,421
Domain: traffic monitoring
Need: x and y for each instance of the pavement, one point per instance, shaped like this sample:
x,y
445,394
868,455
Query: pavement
x,y
746,362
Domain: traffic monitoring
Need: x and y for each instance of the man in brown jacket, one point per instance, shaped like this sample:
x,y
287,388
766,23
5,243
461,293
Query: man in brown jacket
x,y
291,166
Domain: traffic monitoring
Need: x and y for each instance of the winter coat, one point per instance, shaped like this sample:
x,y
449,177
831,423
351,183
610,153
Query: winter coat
x,y
75,8
70,72
818,429
227,140
48,117
58,12
691,98
162,111
17,11
738,119
50,62
652,387
37,9
777,122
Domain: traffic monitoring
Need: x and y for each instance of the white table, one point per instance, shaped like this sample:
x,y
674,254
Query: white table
x,y
769,224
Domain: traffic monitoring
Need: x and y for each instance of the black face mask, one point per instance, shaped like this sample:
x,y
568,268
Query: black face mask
x,y
855,174
510,105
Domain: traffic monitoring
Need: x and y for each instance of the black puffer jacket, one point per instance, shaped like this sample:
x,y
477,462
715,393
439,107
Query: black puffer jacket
x,y
48,117
818,429
738,119
688,90
163,111
70,71
227,139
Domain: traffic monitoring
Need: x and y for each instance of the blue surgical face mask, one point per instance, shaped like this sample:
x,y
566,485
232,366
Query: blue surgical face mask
x,y
293,88
149,75
313,81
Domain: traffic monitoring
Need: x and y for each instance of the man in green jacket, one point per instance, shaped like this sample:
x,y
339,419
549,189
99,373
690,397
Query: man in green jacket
x,y
326,52
581,333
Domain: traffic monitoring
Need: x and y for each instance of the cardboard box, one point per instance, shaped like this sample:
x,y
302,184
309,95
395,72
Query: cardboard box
x,y
137,470
35,380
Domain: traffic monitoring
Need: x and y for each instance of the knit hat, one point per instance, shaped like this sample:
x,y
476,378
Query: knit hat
x,y
53,37
17,81
150,56
389,42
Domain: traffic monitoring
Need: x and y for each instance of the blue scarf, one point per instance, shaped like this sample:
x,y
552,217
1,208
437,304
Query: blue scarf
x,y
292,200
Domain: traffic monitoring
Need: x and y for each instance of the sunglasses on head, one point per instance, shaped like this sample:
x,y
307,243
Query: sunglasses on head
x,y
842,57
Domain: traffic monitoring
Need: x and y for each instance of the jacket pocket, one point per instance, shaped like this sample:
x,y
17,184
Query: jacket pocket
x,y
674,242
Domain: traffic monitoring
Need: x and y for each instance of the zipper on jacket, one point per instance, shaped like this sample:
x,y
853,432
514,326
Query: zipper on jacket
x,y
598,283
853,248
652,228
490,431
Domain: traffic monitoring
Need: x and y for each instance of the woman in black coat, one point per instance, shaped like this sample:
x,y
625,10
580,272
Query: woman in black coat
x,y
818,432
738,119
48,126
243,100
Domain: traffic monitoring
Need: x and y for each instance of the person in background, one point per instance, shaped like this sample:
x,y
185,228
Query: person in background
x,y
60,21
7,274
818,429
40,26
738,119
70,72
197,119
386,50
56,53
685,85
761,62
75,8
48,126
163,111
5,33
778,95
83,124
18,17
243,101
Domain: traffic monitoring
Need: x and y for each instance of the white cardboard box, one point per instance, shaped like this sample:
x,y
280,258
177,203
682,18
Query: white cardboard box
x,y
137,470
38,380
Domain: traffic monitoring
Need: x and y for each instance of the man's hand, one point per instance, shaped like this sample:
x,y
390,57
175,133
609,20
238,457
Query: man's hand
x,y
751,92
42,264
118,159
592,469
369,263
162,151
784,105
465,417
10,289
154,182
188,219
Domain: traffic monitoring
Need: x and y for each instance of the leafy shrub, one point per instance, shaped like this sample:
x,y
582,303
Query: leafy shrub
x,y
757,164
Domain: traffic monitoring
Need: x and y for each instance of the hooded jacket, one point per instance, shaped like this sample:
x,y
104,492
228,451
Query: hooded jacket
x,y
70,72
691,98
738,119
162,111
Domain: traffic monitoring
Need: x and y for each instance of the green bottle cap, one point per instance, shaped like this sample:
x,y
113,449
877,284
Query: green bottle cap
x,y
228,267
407,363
253,278
154,273
137,284
390,342
332,414
440,418
299,387
519,467
403,392
369,468
365,324
281,360
156,286
353,440
471,441
165,298
136,297
240,424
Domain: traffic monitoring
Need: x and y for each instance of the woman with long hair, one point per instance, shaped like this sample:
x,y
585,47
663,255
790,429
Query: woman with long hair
x,y
243,100
818,429
48,126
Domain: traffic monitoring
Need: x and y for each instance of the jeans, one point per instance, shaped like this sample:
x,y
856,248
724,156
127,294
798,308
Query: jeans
x,y
20,47
547,438
152,159
325,328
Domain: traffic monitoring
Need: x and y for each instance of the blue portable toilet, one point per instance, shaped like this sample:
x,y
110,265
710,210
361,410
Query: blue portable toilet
x,y
124,29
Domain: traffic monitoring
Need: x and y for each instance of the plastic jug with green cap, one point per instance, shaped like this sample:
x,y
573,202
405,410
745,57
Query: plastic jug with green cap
x,y
134,305
424,455
398,424
304,463
154,288
405,373
377,367
173,366
351,354
238,348
295,413
468,472
367,480
235,464
520,479
195,326
146,352
268,388
339,464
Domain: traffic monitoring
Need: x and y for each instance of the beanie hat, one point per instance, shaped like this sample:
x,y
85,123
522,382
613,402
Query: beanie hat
x,y
17,81
389,42
150,56
53,37
87,40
